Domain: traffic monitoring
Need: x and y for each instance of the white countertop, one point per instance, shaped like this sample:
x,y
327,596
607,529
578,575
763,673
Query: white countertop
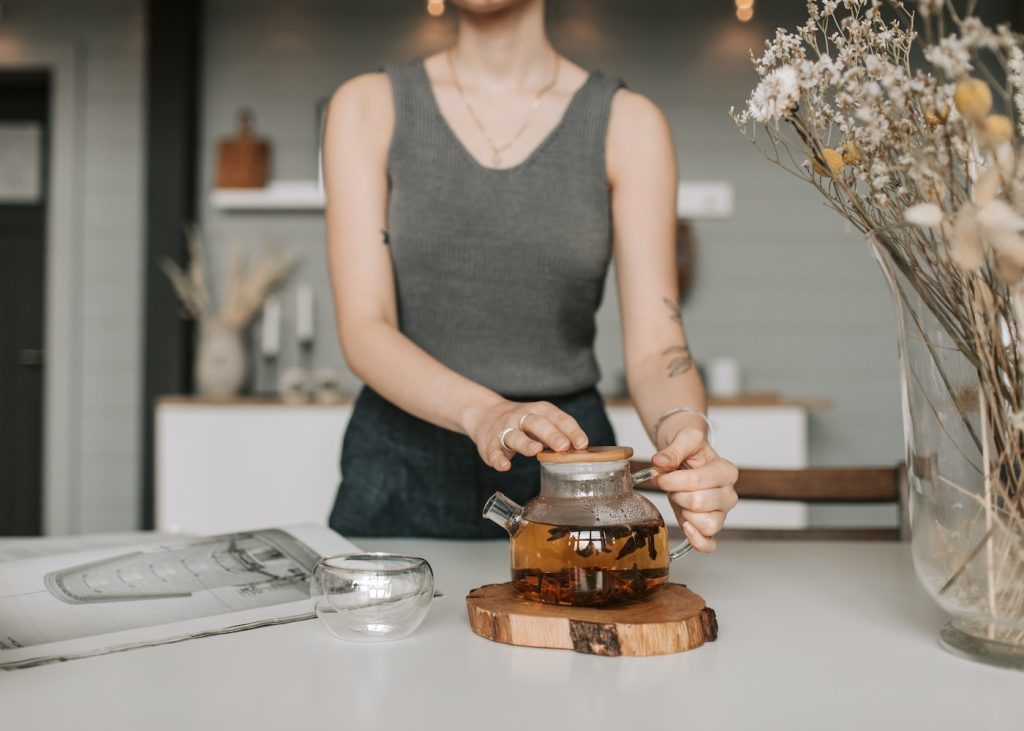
x,y
812,636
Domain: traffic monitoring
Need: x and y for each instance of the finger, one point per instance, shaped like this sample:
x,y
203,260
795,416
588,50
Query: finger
x,y
705,501
519,441
681,448
701,456
498,459
570,427
708,524
700,542
717,474
543,429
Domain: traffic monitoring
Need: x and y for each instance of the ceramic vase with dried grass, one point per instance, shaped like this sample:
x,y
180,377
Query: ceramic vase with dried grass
x,y
221,367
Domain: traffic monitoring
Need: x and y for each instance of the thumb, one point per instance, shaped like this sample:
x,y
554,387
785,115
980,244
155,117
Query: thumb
x,y
679,450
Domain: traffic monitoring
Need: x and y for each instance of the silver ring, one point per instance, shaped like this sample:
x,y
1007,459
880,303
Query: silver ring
x,y
501,438
522,419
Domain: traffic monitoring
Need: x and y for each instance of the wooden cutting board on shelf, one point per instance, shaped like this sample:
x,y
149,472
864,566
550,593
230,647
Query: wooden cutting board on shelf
x,y
673,619
243,160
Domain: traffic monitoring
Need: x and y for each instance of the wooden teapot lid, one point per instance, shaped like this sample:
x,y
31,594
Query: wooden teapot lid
x,y
591,454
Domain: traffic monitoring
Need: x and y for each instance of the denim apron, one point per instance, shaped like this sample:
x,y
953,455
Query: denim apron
x,y
402,476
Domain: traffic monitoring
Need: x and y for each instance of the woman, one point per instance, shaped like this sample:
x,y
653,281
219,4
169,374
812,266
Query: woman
x,y
474,200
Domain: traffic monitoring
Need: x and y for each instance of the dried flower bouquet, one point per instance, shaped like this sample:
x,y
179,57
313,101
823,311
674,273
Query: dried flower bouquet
x,y
907,119
247,288
222,359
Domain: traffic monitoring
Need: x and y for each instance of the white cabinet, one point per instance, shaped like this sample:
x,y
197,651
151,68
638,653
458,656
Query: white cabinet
x,y
247,464
236,466
749,436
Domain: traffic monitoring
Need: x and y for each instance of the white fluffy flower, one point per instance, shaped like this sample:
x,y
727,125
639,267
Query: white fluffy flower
x,y
976,34
1015,61
776,95
951,55
1015,64
879,175
926,215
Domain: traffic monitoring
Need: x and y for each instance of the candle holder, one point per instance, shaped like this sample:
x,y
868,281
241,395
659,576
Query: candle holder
x,y
268,379
294,385
306,348
270,347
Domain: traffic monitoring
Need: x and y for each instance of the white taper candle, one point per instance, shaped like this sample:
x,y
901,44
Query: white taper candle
x,y
270,339
304,314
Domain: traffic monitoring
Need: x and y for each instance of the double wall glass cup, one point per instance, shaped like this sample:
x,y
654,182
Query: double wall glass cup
x,y
371,596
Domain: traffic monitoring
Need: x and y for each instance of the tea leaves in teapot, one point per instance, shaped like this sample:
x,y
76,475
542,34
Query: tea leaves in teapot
x,y
589,564
557,533
628,547
643,535
584,539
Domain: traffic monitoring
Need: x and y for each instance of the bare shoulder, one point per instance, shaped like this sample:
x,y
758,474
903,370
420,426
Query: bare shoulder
x,y
634,114
363,105
638,132
363,90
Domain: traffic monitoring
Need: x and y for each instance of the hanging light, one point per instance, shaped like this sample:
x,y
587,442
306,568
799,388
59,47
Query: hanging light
x,y
435,7
744,10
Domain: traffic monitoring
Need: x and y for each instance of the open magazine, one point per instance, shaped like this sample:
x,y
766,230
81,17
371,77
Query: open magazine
x,y
55,608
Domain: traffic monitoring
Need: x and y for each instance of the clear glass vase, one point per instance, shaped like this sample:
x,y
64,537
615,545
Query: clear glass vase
x,y
966,512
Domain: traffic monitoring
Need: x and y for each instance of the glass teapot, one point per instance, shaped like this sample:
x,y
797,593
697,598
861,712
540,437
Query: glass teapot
x,y
587,539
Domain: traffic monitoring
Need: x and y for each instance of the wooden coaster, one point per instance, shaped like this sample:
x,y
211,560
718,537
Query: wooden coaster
x,y
673,619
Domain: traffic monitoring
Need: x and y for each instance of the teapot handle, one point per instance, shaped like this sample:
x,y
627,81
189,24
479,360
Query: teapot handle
x,y
684,547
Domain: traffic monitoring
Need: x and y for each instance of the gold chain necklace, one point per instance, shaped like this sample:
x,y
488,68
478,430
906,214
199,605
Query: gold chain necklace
x,y
497,149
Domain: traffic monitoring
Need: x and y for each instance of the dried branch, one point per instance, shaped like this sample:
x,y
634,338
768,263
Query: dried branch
x,y
246,289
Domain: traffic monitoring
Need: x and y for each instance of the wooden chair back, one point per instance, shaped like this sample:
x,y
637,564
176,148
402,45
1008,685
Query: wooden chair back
x,y
823,485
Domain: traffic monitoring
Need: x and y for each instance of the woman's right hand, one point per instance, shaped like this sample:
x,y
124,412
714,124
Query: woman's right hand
x,y
534,426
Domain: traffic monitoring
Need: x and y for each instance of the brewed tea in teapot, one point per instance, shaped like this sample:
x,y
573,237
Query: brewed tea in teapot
x,y
587,539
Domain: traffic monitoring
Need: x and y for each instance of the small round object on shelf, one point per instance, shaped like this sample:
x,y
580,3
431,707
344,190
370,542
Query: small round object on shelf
x,y
294,385
327,387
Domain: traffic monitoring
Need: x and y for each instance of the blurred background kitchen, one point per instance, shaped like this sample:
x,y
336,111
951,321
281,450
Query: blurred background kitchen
x,y
118,119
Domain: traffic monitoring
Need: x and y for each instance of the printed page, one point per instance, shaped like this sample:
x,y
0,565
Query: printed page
x,y
103,600
19,548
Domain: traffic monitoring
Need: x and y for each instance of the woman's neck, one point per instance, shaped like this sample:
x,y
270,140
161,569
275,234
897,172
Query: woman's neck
x,y
506,49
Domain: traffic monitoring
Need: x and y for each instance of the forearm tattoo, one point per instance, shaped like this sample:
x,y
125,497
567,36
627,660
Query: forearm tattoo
x,y
680,360
675,310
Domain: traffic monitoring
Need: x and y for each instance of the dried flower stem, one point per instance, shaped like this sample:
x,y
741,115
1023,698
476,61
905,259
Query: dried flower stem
x,y
247,289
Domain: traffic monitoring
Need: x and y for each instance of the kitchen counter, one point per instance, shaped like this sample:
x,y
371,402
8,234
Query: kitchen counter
x,y
812,636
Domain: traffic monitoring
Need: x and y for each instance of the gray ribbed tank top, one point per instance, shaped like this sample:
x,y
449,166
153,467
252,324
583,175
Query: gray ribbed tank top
x,y
499,273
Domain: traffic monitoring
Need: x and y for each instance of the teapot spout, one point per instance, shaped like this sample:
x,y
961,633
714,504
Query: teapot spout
x,y
505,512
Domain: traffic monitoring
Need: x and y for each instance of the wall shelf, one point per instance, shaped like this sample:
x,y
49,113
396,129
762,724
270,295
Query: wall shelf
x,y
696,199
279,195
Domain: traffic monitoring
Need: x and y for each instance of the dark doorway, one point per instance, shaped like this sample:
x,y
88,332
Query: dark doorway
x,y
172,81
24,143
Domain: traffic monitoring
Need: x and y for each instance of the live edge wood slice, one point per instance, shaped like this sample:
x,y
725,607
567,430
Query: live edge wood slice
x,y
673,619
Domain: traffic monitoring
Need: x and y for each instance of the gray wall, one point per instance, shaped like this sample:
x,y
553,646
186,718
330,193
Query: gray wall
x,y
780,285
100,47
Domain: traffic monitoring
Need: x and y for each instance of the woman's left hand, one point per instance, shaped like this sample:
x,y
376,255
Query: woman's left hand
x,y
700,485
